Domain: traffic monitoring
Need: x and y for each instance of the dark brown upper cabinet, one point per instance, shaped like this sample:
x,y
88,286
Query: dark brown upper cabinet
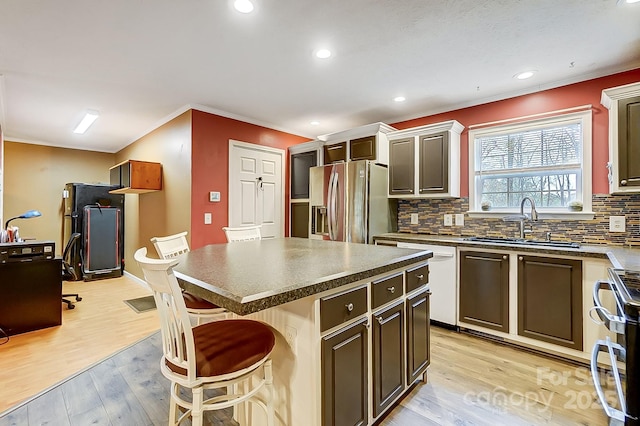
x,y
335,153
362,148
623,103
424,162
550,300
300,165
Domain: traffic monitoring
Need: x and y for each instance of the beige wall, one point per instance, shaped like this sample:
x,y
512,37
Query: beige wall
x,y
34,177
163,212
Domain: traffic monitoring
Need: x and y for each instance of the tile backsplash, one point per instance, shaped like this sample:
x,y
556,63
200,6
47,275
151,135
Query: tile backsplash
x,y
430,216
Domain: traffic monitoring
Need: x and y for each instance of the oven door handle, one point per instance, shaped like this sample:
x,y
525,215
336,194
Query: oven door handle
x,y
612,349
612,322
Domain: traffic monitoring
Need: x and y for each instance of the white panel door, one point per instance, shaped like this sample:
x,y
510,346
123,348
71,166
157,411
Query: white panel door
x,y
256,187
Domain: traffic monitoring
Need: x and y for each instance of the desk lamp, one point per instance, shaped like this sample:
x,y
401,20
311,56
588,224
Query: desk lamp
x,y
27,215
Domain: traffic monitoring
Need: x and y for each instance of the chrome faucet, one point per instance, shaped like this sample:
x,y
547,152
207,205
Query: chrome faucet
x,y
532,217
522,217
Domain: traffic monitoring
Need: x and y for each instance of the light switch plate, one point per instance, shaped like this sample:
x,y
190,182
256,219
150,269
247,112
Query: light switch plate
x,y
448,220
414,218
459,219
207,218
616,223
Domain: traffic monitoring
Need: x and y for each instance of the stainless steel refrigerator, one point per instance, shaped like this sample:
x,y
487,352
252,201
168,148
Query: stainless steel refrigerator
x,y
348,202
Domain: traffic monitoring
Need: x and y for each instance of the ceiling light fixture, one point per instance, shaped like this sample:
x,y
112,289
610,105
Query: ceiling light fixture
x,y
87,121
524,75
315,123
243,6
399,99
627,2
323,53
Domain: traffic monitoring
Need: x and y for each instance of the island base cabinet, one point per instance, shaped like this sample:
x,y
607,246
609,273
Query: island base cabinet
x,y
388,356
345,376
418,336
484,289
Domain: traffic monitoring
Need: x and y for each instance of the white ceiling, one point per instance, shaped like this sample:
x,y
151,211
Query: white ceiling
x,y
139,61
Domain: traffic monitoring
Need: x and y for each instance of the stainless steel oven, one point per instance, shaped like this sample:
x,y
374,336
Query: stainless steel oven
x,y
623,355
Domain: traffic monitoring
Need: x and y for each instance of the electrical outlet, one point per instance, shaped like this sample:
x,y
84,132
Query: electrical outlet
x,y
616,223
459,219
207,218
448,220
290,335
414,218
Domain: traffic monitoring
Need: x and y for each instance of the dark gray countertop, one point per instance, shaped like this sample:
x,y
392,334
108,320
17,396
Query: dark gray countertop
x,y
251,276
620,257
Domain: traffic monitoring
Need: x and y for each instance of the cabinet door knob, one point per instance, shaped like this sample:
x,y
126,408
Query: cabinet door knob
x,y
349,307
505,257
420,277
520,258
623,182
380,320
391,289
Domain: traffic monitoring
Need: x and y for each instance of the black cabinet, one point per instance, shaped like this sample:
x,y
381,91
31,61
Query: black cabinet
x,y
362,148
401,166
550,300
418,335
629,142
300,165
433,163
388,356
484,289
345,376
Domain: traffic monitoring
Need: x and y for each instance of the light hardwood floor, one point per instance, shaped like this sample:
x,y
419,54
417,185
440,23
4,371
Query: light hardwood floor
x,y
100,325
472,381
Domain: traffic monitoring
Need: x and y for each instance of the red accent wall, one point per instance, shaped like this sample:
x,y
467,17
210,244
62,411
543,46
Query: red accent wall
x,y
210,169
573,95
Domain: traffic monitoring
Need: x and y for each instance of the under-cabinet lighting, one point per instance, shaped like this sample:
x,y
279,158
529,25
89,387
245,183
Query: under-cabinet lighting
x,y
86,122
243,6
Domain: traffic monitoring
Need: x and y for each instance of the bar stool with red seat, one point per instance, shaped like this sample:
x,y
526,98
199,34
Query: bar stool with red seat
x,y
216,355
202,310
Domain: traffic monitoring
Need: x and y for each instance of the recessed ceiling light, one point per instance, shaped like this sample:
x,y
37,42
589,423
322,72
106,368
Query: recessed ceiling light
x,y
314,123
243,6
323,53
524,75
627,2
87,121
399,99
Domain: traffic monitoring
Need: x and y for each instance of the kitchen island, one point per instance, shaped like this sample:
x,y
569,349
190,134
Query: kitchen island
x,y
334,307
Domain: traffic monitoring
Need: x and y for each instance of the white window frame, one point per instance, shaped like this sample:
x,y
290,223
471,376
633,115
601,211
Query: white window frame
x,y
582,117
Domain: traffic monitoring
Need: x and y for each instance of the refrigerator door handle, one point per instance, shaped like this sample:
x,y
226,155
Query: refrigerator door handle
x,y
331,203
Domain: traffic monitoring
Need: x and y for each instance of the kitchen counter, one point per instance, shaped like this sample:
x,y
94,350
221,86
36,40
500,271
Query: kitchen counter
x,y
251,276
620,257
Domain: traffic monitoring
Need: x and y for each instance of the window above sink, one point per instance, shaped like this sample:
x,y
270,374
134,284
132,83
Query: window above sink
x,y
547,159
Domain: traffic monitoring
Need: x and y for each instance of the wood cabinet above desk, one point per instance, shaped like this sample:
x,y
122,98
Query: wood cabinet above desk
x,y
136,177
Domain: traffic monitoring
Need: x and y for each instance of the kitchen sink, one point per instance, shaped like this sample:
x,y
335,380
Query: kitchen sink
x,y
518,241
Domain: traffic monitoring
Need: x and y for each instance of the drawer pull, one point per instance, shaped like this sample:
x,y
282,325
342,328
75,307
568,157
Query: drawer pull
x,y
380,320
420,277
391,289
349,307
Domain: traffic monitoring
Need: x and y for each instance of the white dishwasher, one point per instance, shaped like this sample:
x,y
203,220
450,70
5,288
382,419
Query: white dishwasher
x,y
442,281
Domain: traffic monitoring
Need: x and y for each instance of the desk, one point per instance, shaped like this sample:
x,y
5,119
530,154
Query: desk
x,y
284,282
30,295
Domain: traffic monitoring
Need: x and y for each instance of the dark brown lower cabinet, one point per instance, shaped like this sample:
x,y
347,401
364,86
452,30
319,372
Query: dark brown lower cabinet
x,y
418,335
484,289
388,356
345,376
550,300
300,220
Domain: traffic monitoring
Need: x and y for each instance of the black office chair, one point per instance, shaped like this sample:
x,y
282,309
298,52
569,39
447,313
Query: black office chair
x,y
69,273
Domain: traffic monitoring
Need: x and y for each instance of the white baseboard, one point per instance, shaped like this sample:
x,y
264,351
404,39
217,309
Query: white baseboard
x,y
137,280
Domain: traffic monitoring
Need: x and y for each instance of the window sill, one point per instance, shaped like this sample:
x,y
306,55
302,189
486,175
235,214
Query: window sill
x,y
557,214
